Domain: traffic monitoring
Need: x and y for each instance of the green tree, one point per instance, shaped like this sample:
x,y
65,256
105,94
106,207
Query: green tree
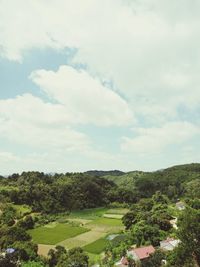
x,y
8,215
129,219
189,232
143,233
27,222
75,257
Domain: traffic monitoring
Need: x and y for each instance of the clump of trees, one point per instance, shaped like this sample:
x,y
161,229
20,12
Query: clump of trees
x,y
149,220
61,258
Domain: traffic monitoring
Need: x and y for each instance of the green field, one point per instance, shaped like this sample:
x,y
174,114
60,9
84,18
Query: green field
x,y
97,246
120,211
93,258
86,228
107,222
89,214
53,235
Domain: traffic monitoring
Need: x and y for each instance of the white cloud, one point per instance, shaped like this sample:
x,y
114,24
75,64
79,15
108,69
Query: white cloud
x,y
155,140
29,121
84,99
43,135
147,47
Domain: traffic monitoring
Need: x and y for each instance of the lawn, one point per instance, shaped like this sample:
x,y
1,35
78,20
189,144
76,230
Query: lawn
x,y
53,235
113,216
107,222
120,211
97,246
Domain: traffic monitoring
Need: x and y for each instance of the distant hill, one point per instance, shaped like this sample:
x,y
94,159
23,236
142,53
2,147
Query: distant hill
x,y
105,173
126,179
185,172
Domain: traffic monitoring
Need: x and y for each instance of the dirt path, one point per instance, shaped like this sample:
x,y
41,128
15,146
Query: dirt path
x,y
44,249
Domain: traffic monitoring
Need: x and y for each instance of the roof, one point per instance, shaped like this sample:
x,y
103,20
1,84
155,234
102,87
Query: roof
x,y
122,263
10,250
180,205
169,243
144,252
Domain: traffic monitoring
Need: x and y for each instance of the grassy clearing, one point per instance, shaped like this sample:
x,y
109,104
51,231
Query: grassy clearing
x,y
22,210
117,211
113,216
56,234
107,222
82,239
87,229
97,246
79,221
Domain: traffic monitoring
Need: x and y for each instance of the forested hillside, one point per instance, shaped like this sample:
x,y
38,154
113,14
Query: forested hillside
x,y
65,192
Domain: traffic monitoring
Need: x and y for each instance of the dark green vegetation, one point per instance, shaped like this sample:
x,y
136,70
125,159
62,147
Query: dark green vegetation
x,y
30,201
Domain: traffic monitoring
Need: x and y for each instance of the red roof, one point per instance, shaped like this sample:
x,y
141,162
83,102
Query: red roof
x,y
144,252
124,261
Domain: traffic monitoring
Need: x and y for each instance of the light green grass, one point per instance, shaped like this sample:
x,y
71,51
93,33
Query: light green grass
x,y
107,222
94,258
113,216
8,188
97,246
119,211
173,210
22,210
56,234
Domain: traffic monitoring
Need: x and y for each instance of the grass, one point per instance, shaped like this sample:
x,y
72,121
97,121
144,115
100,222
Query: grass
x,y
107,222
89,214
89,230
113,216
82,239
119,211
93,258
53,235
22,210
8,188
97,246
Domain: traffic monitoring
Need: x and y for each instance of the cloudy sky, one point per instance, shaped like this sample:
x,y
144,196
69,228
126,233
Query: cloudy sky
x,y
99,84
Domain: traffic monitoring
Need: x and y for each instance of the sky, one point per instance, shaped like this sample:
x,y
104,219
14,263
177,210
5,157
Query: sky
x,y
99,84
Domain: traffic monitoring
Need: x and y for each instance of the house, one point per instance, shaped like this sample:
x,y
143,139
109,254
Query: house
x,y
169,244
140,254
137,254
180,205
122,263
